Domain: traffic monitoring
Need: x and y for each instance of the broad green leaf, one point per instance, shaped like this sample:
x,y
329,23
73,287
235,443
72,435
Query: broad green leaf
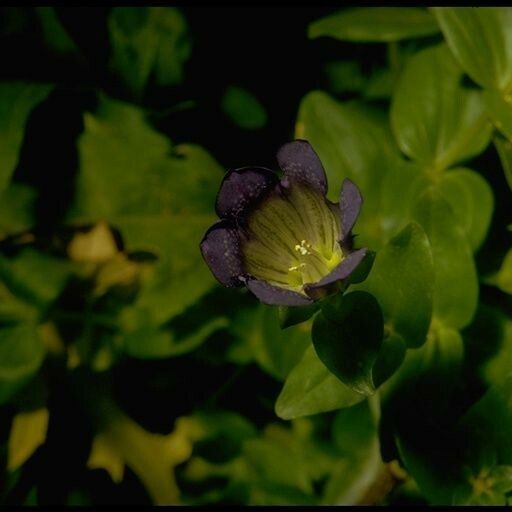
x,y
289,315
243,108
344,76
35,277
16,215
503,278
481,40
160,202
380,84
230,427
277,351
504,148
17,100
152,457
432,467
402,281
354,428
497,367
127,168
390,358
97,245
437,362
273,462
54,34
347,335
490,419
104,456
28,432
311,388
13,309
151,343
456,282
472,201
375,24
277,467
354,432
351,140
435,120
146,42
180,276
499,108
21,354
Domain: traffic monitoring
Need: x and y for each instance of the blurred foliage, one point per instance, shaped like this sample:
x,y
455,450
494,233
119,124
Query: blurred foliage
x,y
128,375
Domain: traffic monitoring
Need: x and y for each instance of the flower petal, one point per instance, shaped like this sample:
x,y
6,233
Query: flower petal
x,y
274,296
299,162
350,204
342,271
241,188
220,248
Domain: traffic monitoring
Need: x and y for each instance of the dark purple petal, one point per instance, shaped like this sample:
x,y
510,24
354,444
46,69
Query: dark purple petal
x,y
342,271
299,162
274,296
221,251
350,204
242,188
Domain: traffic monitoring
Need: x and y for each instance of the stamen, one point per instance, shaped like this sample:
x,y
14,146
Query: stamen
x,y
296,267
303,247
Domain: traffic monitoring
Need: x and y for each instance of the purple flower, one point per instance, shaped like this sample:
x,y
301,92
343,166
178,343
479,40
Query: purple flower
x,y
282,238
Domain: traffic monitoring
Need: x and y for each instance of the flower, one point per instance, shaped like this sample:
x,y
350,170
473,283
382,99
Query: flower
x,y
282,238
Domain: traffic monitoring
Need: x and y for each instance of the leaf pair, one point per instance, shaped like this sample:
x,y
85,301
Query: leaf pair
x,y
349,333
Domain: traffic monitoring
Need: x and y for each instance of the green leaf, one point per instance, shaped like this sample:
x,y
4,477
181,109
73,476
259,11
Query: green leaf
x,y
21,355
289,315
344,76
16,214
496,368
481,41
148,41
402,281
347,335
490,419
54,34
151,343
13,309
275,350
456,282
472,201
503,278
375,24
380,84
499,108
431,467
180,276
437,364
273,462
311,388
17,100
28,432
127,168
351,140
354,428
504,148
354,432
391,356
243,108
35,277
435,120
162,202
